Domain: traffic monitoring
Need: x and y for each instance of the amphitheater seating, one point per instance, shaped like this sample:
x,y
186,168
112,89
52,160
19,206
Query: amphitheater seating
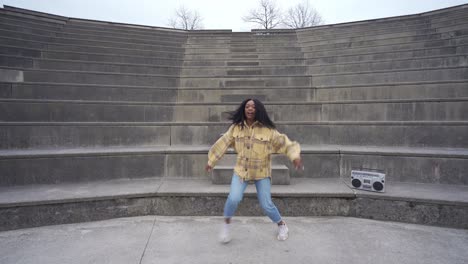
x,y
101,119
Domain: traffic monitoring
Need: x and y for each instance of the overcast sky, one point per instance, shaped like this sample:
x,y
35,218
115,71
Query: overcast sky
x,y
222,14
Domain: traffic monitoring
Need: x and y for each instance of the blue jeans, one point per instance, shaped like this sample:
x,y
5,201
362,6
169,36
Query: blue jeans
x,y
263,194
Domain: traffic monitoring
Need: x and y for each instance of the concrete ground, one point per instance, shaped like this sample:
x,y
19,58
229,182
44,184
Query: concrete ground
x,y
159,239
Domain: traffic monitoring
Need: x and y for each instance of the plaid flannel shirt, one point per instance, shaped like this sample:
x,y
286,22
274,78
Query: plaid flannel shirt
x,y
254,146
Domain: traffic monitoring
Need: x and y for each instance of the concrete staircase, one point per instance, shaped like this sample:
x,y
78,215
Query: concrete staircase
x,y
88,103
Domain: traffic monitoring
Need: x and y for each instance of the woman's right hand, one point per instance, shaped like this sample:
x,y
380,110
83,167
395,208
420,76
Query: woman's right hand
x,y
208,168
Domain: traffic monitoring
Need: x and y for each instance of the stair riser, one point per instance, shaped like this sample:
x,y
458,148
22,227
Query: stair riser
x,y
110,50
228,56
389,55
91,136
287,70
415,91
78,92
66,112
112,58
123,30
388,48
422,23
232,82
19,62
392,65
84,168
100,78
392,77
266,62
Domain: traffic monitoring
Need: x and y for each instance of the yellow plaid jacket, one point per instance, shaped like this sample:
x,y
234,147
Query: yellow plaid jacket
x,y
254,146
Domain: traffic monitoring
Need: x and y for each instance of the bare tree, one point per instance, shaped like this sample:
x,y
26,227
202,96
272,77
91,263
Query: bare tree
x,y
302,15
268,15
186,19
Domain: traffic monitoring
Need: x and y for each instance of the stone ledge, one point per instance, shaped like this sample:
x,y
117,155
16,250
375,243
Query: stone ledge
x,y
421,192
300,187
270,103
203,149
39,205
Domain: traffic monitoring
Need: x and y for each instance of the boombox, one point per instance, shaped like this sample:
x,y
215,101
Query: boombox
x,y
368,180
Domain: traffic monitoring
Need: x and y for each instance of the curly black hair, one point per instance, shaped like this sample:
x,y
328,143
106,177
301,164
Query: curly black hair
x,y
238,116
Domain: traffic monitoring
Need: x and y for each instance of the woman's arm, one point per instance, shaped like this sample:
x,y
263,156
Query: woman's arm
x,y
219,148
282,144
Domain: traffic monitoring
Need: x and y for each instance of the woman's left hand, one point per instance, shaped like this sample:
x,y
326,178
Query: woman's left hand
x,y
298,164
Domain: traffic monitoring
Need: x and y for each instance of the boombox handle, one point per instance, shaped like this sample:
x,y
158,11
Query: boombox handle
x,y
367,169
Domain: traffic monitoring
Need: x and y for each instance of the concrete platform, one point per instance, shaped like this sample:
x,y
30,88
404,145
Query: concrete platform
x,y
160,239
39,205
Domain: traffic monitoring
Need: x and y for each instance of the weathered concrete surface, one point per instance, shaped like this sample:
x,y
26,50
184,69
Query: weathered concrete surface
x,y
157,239
39,205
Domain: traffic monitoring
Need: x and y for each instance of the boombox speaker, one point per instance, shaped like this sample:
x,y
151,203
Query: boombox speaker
x,y
368,180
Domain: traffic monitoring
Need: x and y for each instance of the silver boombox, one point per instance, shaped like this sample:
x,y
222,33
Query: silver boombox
x,y
368,180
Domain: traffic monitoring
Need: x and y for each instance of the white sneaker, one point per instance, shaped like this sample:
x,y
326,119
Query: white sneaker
x,y
225,234
283,232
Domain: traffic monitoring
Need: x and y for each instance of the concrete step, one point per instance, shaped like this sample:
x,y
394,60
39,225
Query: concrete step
x,y
112,58
245,81
458,41
411,46
108,78
389,55
385,33
392,91
223,175
439,33
93,46
160,45
387,76
24,36
370,43
106,32
16,61
226,56
156,196
331,79
233,39
39,17
421,90
20,23
398,23
47,64
81,77
229,49
411,63
18,51
415,45
102,111
153,35
106,67
67,91
422,165
42,19
98,27
122,51
59,135
11,26
233,62
30,24
25,60
243,70
364,36
424,62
